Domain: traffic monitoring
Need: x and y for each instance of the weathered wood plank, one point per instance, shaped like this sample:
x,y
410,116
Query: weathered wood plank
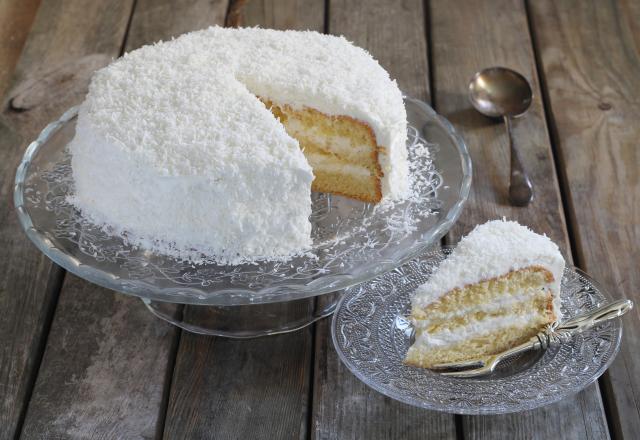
x,y
395,34
63,33
155,20
283,14
29,286
590,63
68,41
256,389
466,39
112,382
230,389
104,369
343,407
16,17
161,20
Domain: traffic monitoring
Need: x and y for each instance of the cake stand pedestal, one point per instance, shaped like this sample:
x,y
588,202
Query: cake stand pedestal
x,y
246,321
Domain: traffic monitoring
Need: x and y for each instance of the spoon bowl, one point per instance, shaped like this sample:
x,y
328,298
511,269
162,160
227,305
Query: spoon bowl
x,y
497,92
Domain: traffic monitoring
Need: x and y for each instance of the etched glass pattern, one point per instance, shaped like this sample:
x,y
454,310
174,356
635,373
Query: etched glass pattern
x,y
371,240
372,335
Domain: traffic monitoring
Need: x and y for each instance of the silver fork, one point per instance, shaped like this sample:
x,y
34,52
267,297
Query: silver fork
x,y
554,333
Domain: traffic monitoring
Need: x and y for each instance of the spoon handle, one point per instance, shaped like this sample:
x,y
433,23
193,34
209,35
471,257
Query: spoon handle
x,y
520,187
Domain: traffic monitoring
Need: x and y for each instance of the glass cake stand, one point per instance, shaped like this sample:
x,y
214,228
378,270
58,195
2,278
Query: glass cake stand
x,y
353,241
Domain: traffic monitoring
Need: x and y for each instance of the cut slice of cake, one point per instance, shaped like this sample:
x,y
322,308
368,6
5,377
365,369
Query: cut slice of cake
x,y
499,287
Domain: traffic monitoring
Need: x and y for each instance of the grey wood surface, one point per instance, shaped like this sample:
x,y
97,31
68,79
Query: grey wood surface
x,y
104,370
112,382
16,17
590,62
394,32
155,20
283,14
111,370
255,389
230,389
343,407
64,33
464,40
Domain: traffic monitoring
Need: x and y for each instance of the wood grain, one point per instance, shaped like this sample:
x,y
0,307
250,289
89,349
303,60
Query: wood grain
x,y
343,407
282,14
394,32
16,17
104,369
161,20
259,388
590,61
112,379
63,33
465,40
230,389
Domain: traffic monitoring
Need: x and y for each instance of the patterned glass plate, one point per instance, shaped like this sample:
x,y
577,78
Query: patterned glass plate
x,y
372,335
353,241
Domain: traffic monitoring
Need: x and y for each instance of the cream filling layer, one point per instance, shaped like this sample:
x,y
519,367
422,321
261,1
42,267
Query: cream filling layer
x,y
333,165
491,307
336,144
448,337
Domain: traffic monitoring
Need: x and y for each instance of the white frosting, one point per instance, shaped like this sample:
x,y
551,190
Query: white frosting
x,y
172,144
492,250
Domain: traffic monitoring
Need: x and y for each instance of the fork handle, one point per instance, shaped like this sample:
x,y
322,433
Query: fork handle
x,y
532,344
594,317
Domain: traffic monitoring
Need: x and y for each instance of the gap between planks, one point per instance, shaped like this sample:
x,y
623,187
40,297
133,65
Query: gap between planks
x,y
562,181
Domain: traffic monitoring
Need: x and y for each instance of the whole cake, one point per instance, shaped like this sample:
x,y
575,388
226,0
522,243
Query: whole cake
x,y
215,140
499,287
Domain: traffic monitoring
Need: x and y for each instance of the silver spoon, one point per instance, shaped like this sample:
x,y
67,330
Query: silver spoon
x,y
499,92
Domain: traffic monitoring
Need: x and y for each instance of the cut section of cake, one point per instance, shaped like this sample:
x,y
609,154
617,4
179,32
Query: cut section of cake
x,y
499,287
341,150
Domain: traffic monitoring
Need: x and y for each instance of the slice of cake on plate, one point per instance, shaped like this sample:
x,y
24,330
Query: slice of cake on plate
x,y
499,287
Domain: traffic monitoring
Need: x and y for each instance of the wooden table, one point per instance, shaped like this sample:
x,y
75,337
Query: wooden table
x,y
79,361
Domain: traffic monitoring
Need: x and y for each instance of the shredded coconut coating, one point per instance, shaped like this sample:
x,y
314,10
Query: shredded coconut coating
x,y
174,148
491,250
